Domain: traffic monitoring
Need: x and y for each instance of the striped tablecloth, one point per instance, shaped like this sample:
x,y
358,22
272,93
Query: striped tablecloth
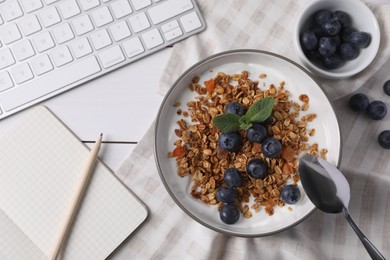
x,y
268,25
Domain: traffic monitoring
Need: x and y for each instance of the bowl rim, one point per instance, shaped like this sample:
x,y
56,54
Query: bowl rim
x,y
332,74
158,119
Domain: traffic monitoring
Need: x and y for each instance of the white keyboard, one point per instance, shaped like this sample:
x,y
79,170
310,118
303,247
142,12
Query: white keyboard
x,y
49,46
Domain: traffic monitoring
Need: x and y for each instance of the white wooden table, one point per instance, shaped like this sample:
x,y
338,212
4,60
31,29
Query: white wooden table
x,y
121,105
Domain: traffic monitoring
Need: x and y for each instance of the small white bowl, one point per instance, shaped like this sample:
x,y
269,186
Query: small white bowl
x,y
362,19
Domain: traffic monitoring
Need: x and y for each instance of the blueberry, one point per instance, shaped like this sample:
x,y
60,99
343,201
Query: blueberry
x,y
331,62
322,16
268,121
336,39
271,147
257,168
308,40
231,142
386,87
384,139
331,28
290,194
377,110
317,30
226,194
346,33
229,214
256,133
348,51
232,177
342,17
313,55
358,102
360,39
326,46
234,108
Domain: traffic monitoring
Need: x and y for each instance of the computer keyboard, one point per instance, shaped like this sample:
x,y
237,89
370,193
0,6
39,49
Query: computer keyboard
x,y
50,46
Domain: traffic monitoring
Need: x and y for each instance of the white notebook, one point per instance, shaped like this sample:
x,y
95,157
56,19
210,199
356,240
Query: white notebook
x,y
40,164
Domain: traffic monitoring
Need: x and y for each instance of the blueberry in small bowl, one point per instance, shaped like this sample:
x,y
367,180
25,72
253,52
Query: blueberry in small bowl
x,y
330,23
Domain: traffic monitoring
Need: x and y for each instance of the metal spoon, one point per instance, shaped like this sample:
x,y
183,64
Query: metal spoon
x,y
329,191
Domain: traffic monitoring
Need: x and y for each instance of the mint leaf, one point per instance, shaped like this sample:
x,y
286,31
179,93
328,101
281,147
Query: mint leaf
x,y
227,123
245,124
260,110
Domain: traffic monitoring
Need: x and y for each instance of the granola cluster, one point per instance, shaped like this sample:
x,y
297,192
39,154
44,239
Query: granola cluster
x,y
198,155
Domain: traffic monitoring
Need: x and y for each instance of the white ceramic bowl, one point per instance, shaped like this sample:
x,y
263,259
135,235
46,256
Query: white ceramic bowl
x,y
277,69
362,19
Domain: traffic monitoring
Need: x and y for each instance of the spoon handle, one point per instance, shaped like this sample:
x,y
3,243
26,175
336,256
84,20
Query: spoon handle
x,y
371,249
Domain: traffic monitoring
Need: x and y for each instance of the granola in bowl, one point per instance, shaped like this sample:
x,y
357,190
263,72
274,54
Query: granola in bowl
x,y
189,155
199,156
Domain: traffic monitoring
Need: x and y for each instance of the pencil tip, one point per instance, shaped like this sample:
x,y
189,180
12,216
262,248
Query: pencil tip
x,y
101,134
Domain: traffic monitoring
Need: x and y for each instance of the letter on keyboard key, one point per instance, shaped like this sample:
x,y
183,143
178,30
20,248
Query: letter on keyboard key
x,y
111,56
58,79
168,9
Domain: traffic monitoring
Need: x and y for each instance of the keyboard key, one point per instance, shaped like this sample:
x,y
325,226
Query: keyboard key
x,y
102,16
190,22
166,27
63,33
120,30
41,64
81,47
49,83
173,34
29,25
49,16
111,56
10,10
23,50
168,9
139,22
100,39
139,4
31,5
89,4
152,38
50,1
133,47
82,24
5,81
10,33
21,73
69,8
43,41
6,58
121,8
61,56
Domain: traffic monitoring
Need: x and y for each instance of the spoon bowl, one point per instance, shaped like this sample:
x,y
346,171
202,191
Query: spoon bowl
x,y
329,191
